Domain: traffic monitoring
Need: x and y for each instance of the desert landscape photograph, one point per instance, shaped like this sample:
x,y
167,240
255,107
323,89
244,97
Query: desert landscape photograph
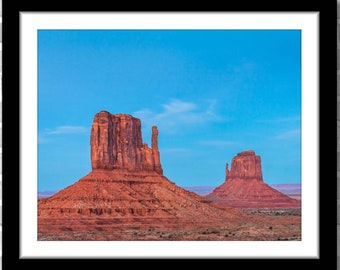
x,y
207,102
168,136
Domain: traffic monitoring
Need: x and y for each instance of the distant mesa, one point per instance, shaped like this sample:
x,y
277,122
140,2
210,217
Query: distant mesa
x,y
244,186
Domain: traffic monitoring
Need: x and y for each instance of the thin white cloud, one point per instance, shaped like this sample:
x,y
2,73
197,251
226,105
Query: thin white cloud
x,y
66,130
46,135
290,134
178,106
177,113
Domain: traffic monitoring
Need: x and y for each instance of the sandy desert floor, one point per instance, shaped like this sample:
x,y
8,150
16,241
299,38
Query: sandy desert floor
x,y
264,225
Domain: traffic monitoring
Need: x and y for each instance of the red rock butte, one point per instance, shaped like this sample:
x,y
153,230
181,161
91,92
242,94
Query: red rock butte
x,y
244,186
126,187
116,143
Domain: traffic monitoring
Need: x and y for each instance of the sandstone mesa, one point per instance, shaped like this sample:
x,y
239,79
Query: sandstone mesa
x,y
244,186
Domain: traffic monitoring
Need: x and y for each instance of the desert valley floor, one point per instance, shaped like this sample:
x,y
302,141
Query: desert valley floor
x,y
273,225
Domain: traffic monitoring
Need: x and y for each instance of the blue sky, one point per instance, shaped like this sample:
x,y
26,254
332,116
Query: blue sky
x,y
211,93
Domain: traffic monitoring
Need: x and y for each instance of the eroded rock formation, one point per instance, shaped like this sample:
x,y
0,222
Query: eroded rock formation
x,y
244,186
246,165
116,143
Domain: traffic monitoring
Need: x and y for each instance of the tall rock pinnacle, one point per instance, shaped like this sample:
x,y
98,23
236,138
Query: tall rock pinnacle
x,y
155,152
116,143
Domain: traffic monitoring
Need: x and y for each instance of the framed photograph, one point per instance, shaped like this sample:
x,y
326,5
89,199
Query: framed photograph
x,y
187,101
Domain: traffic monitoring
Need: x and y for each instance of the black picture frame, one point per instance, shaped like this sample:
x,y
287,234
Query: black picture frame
x,y
11,155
